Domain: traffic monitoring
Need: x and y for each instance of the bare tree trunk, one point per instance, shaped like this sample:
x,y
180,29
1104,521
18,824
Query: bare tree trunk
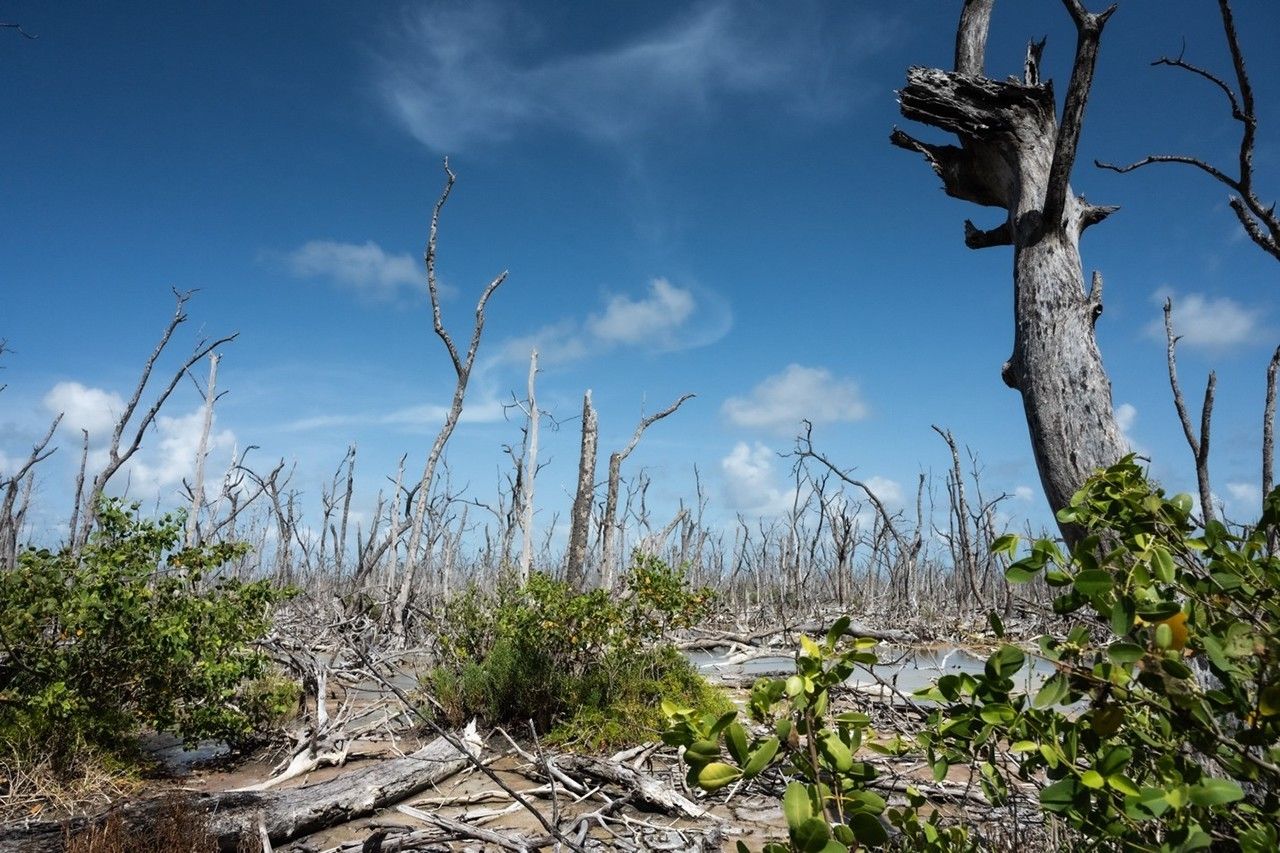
x,y
202,453
609,557
1015,155
1199,444
530,471
462,365
575,570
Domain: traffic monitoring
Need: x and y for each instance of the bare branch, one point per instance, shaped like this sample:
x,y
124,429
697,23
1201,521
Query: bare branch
x,y
18,28
1172,158
976,238
1199,446
1088,33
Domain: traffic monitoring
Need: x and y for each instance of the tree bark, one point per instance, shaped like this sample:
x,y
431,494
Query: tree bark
x,y
529,473
576,570
1015,155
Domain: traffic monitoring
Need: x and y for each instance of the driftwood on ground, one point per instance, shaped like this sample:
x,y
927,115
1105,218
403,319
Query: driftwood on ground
x,y
285,814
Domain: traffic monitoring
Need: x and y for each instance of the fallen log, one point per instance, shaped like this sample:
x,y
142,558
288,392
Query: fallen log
x,y
649,791
286,814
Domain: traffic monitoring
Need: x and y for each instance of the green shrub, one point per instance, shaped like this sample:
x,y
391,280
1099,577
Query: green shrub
x,y
270,700
828,803
133,632
586,661
1160,729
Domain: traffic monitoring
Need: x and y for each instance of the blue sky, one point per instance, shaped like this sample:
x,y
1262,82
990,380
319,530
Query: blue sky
x,y
693,197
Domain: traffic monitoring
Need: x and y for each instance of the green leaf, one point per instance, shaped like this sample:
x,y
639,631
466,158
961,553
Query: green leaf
x,y
1053,691
1215,792
725,719
701,752
835,752
735,737
795,805
1006,544
760,759
1092,582
1060,796
1123,784
1123,652
811,835
837,630
1114,761
997,626
1020,572
868,829
1162,564
1005,661
1122,615
998,714
716,775
1092,779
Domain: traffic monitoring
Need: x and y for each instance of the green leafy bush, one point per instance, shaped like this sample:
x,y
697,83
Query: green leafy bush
x,y
828,804
133,632
590,662
1160,729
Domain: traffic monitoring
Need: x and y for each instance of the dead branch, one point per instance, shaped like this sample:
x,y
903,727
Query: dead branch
x,y
1259,220
1199,445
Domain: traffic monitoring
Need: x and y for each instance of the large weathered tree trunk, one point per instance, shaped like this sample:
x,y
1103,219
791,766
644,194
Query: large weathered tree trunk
x,y
1015,155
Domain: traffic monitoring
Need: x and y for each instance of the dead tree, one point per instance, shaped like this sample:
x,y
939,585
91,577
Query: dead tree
x,y
202,454
1016,155
119,453
528,473
1259,220
609,557
462,365
12,512
576,566
1199,444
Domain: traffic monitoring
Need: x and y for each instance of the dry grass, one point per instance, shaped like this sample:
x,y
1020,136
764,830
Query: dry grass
x,y
30,787
176,829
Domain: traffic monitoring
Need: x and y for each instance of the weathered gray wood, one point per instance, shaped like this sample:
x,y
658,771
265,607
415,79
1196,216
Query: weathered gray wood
x,y
1015,155
576,570
648,790
286,814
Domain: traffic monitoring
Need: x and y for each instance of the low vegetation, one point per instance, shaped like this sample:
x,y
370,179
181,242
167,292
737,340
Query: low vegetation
x,y
586,668
132,633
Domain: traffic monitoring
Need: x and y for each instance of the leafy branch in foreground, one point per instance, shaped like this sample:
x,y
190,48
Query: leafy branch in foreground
x,y
1160,729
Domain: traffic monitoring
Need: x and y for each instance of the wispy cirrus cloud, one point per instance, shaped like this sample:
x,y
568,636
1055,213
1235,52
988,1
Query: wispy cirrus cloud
x,y
410,418
780,402
458,75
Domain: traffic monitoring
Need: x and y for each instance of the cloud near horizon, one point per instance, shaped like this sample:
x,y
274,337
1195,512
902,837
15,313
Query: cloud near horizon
x,y
780,402
453,75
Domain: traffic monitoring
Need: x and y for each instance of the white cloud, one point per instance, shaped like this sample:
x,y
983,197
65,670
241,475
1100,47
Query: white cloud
x,y
1245,495
365,268
91,409
666,318
1207,321
1024,493
751,480
656,317
781,401
170,456
1126,417
888,491
455,74
425,416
